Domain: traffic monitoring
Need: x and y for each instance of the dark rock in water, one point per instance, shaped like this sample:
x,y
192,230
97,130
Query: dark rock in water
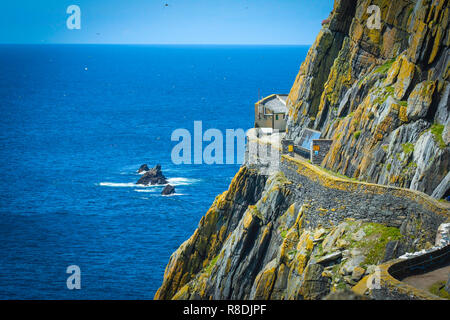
x,y
153,176
143,168
169,189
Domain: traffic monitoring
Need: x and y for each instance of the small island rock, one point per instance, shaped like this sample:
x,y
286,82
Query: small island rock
x,y
169,189
153,176
143,168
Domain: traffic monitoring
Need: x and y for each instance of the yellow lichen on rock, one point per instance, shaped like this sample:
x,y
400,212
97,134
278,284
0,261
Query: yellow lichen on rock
x,y
404,78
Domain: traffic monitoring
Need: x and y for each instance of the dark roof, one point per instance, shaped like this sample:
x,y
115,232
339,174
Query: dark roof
x,y
275,103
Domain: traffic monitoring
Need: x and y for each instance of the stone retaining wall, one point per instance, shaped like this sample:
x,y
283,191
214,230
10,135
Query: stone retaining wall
x,y
348,199
391,273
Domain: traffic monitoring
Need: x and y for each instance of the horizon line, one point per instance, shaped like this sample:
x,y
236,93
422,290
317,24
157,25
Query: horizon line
x,y
156,44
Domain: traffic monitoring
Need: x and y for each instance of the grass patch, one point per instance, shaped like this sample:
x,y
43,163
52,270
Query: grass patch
x,y
211,264
438,290
280,179
384,94
337,174
255,212
385,67
375,241
390,90
436,130
408,148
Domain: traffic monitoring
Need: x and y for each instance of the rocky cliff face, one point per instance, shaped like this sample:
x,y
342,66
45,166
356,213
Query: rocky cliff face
x,y
381,94
301,232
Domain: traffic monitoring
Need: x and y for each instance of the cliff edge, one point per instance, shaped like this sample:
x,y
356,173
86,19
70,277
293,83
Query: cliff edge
x,y
301,231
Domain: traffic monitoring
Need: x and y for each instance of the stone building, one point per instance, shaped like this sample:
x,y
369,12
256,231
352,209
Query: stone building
x,y
271,112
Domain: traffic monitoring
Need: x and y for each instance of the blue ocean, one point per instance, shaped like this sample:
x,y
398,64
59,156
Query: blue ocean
x,y
77,121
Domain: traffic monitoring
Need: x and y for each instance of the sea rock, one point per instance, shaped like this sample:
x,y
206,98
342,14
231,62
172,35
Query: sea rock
x,y
169,189
153,176
143,168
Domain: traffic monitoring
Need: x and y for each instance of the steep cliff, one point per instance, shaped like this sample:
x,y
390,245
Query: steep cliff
x,y
382,95
300,231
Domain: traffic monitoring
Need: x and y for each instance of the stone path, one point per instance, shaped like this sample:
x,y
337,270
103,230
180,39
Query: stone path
x,y
426,280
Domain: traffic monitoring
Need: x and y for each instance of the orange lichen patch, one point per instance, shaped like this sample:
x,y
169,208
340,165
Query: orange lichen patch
x,y
393,72
357,32
288,244
248,219
404,78
304,68
299,221
389,37
265,281
419,32
340,77
182,294
385,126
436,45
301,261
228,266
266,233
374,35
204,244
402,114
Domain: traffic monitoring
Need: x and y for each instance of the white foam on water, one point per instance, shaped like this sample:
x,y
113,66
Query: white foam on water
x,y
182,181
126,185
156,193
178,181
117,185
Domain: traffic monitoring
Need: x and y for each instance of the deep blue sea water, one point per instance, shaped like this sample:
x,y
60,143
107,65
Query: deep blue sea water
x,y
76,121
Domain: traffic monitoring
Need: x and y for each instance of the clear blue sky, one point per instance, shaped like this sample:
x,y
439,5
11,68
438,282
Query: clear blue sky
x,y
151,22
